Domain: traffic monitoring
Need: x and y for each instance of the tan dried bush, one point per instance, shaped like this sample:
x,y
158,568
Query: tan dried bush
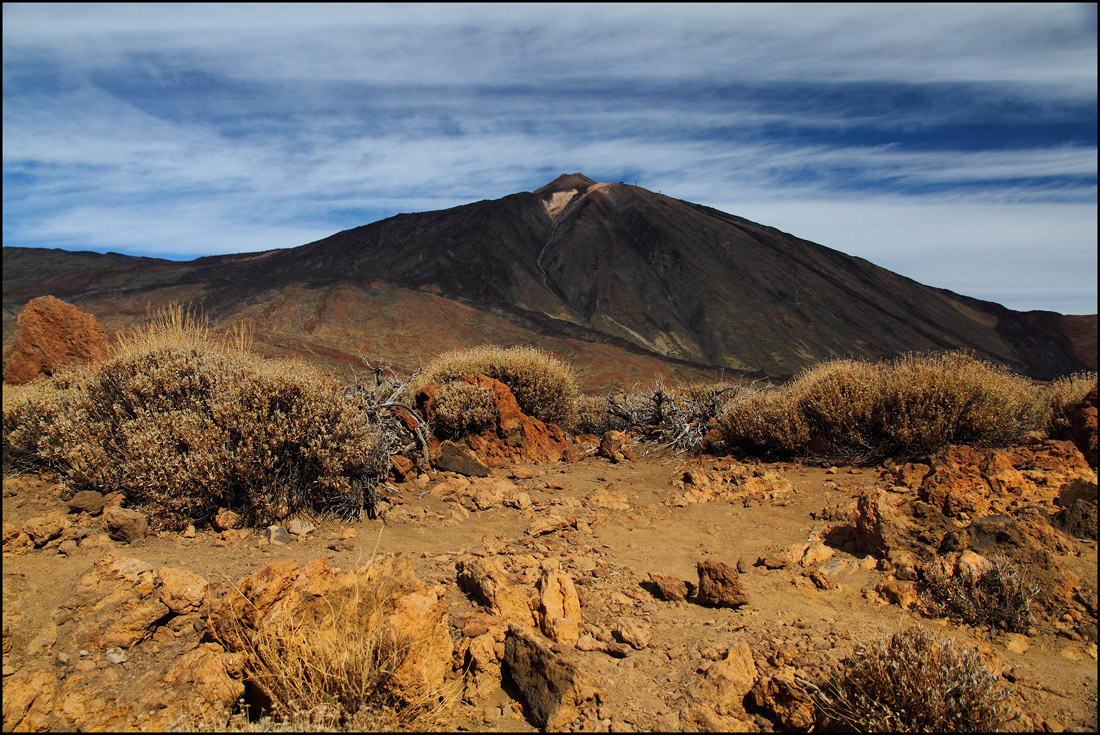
x,y
929,401
912,406
1001,596
1063,394
461,408
544,386
590,415
182,429
769,420
913,682
838,399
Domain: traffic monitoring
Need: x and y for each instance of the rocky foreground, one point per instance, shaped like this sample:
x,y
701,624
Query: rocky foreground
x,y
589,587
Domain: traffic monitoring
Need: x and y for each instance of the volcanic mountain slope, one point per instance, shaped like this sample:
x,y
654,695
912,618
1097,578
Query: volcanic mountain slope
x,y
607,274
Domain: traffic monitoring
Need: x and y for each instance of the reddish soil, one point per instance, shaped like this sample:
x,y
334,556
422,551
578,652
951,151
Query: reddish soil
x,y
622,521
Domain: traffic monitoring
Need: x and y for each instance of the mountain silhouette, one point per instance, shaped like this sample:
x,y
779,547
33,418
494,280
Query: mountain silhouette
x,y
623,281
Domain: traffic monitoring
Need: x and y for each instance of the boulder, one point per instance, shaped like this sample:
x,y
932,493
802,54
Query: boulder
x,y
956,484
729,680
611,446
785,699
226,520
87,501
29,696
51,334
558,602
488,585
719,585
880,524
453,458
634,633
125,525
668,587
15,540
181,591
43,529
551,682
116,604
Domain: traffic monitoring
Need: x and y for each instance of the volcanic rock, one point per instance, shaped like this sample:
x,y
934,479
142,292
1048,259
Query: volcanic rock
x,y
50,335
125,525
719,585
551,683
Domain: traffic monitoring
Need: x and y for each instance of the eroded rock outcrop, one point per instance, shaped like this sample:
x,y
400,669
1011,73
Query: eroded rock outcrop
x,y
51,334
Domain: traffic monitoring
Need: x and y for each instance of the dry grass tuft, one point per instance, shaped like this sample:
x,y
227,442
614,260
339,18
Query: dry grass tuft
x,y
768,420
544,386
999,597
913,682
339,669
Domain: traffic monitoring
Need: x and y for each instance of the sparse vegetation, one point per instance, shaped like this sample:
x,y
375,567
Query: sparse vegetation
x,y
768,421
913,405
344,668
1063,394
461,408
590,415
183,423
913,682
1000,596
675,417
544,386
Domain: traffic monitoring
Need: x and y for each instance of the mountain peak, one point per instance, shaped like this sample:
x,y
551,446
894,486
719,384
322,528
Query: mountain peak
x,y
565,182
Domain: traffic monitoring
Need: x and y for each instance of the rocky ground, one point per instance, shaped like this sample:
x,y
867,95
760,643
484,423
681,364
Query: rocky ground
x,y
626,589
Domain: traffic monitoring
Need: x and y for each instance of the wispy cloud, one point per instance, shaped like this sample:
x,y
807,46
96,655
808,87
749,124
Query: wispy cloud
x,y
186,130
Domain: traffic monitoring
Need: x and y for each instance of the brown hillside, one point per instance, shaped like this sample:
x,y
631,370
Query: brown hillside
x,y
622,280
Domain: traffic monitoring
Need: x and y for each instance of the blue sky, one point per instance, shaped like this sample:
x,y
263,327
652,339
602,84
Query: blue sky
x,y
953,144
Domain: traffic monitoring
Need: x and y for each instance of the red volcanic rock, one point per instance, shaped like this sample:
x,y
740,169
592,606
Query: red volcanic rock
x,y
51,334
514,435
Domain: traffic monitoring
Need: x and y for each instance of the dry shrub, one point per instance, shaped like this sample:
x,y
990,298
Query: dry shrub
x,y
339,669
913,682
182,429
544,386
912,406
838,399
1063,394
332,664
461,408
929,401
590,415
999,597
769,420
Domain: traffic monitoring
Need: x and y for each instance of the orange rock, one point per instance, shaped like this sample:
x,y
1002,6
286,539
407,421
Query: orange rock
x,y
51,334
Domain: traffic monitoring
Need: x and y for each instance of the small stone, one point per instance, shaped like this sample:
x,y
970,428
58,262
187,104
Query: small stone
x,y
277,535
67,547
226,519
668,587
87,501
125,525
116,655
300,527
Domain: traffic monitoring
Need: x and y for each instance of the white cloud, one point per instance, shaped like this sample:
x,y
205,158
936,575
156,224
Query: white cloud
x,y
192,130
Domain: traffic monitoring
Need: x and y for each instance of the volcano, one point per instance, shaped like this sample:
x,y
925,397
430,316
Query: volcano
x,y
622,281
